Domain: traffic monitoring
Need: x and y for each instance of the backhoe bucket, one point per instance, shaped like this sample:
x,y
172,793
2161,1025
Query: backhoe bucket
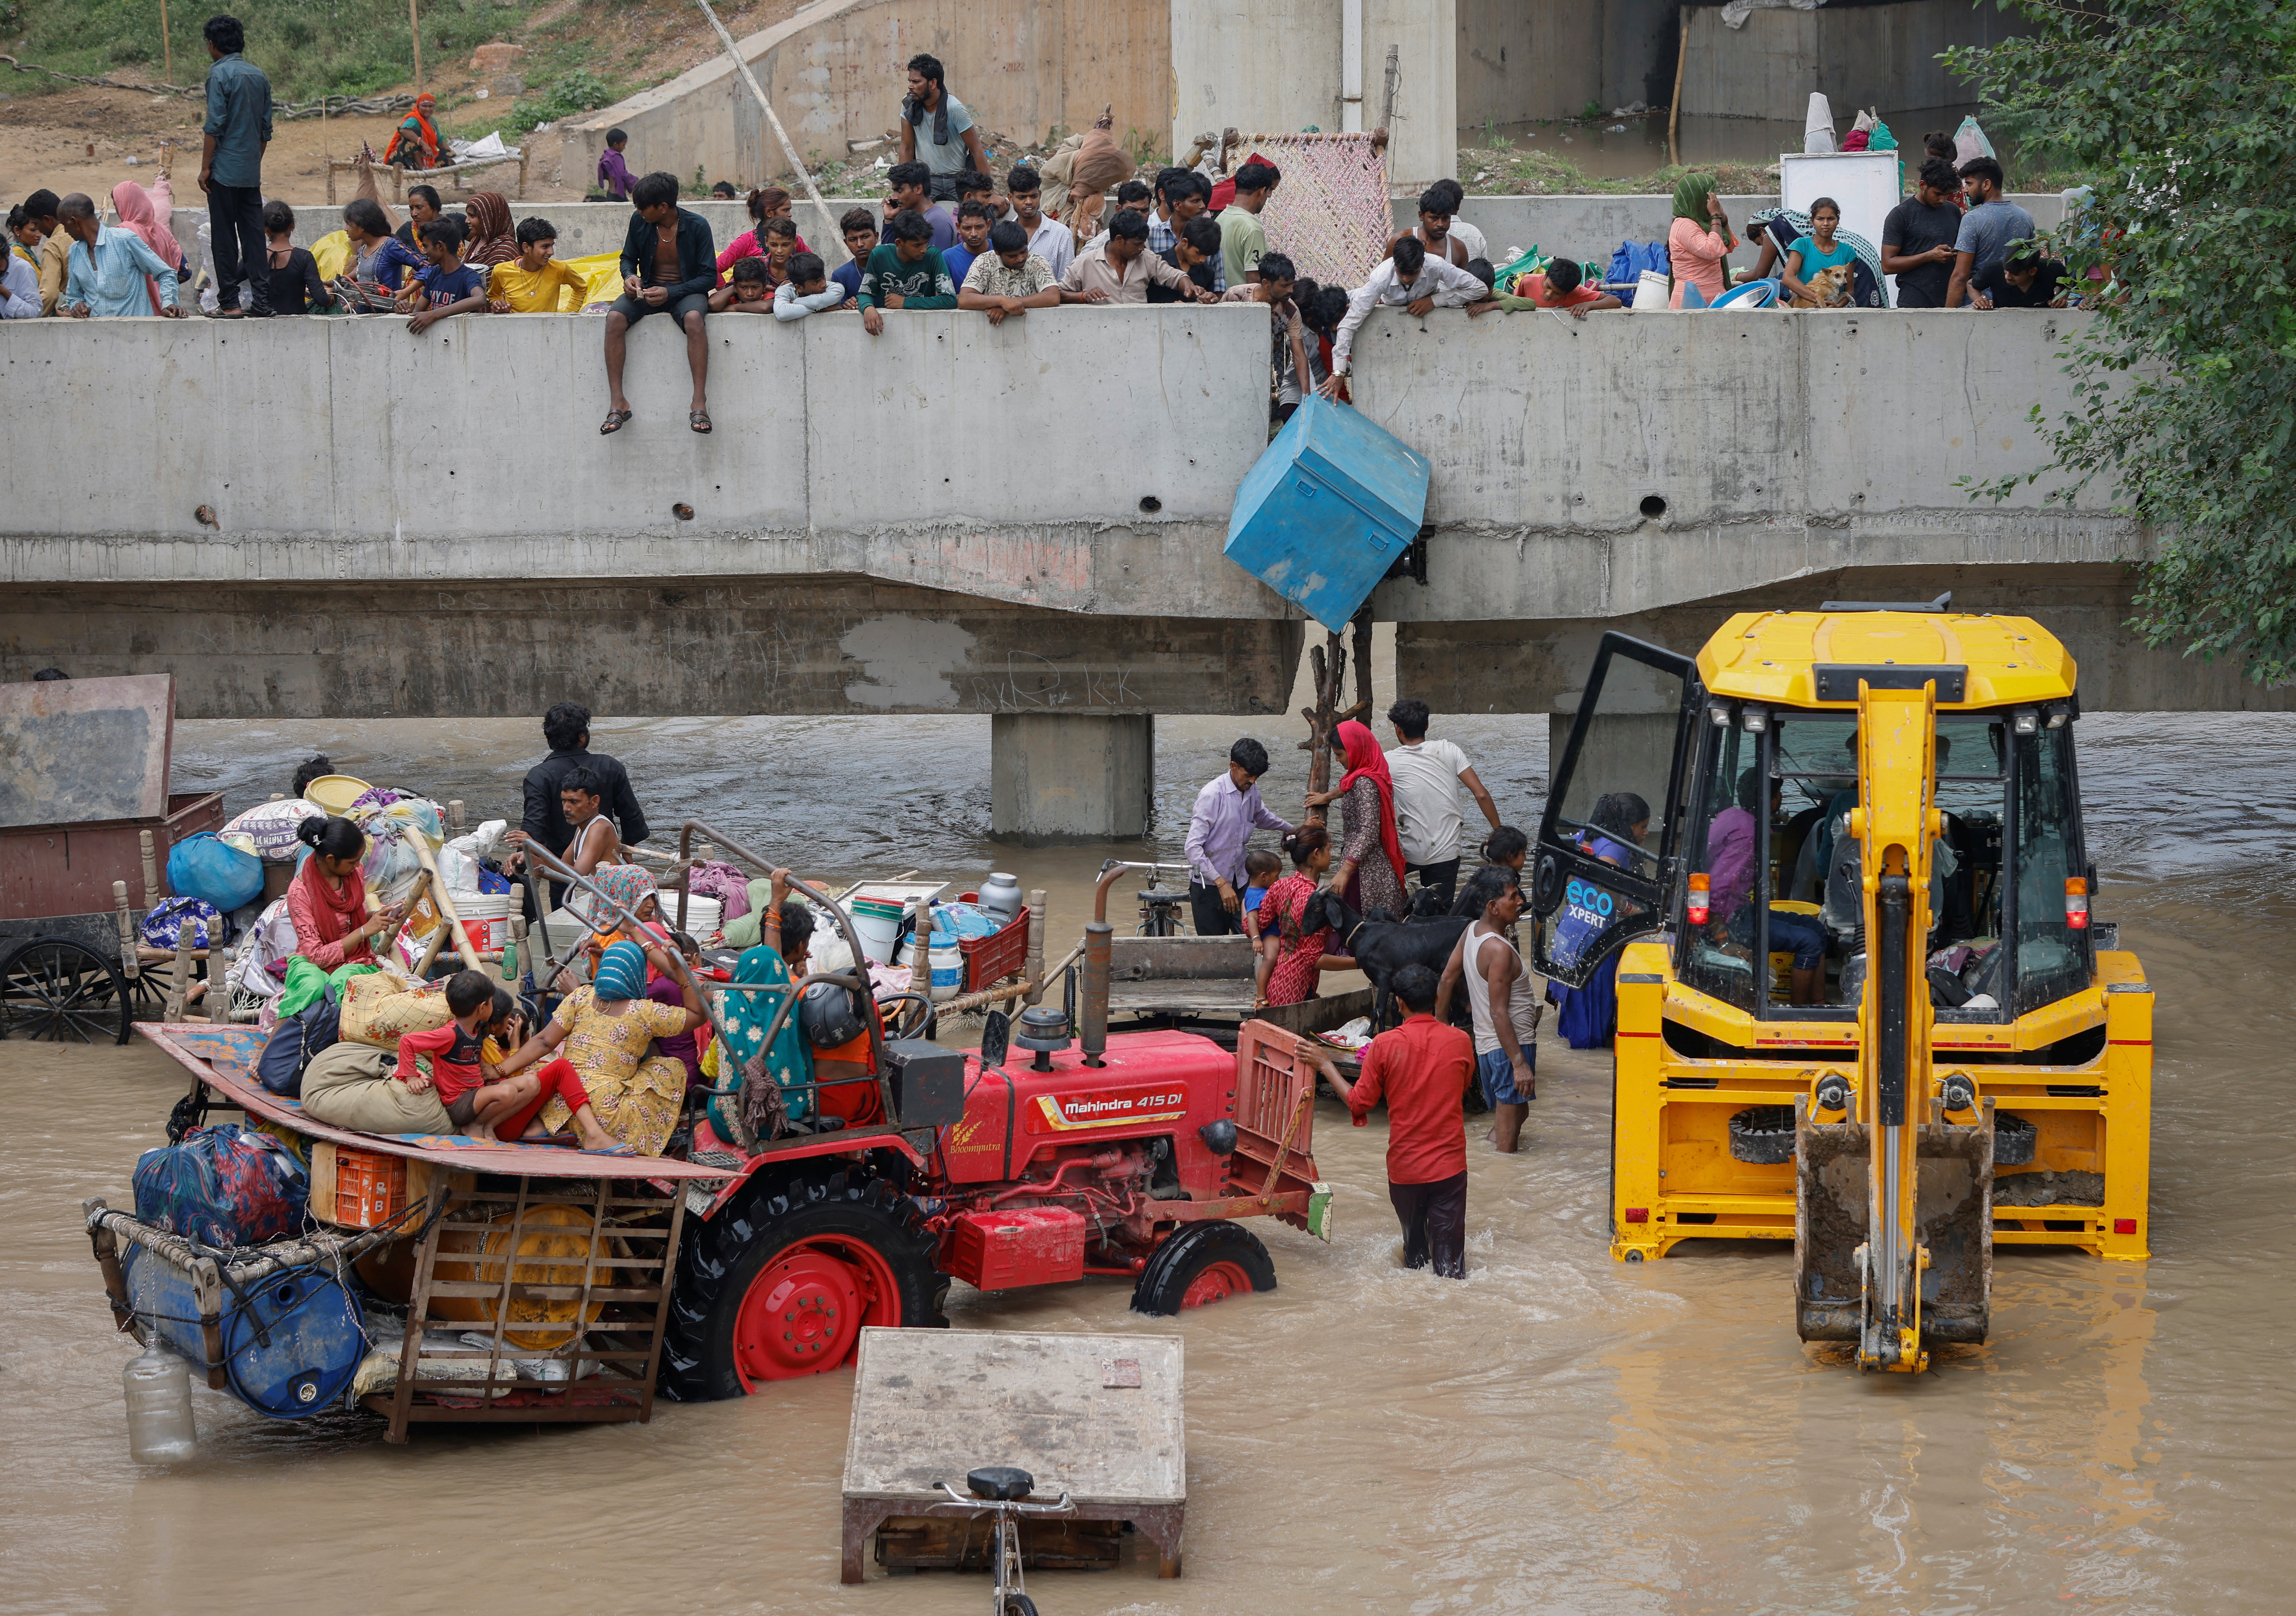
x,y
1953,1218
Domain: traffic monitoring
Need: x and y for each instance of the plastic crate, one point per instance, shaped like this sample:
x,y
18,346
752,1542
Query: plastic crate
x,y
989,960
370,1188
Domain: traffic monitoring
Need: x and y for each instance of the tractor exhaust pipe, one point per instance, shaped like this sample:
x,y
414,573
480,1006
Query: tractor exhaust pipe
x,y
1099,952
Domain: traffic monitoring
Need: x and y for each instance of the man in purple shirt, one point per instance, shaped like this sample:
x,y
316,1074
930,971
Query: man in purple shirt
x,y
1227,811
1730,869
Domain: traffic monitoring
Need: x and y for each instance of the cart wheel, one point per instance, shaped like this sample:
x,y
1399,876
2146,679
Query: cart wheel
x,y
1202,1264
55,991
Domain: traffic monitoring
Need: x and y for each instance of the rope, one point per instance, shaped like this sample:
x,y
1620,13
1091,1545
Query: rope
x,y
331,106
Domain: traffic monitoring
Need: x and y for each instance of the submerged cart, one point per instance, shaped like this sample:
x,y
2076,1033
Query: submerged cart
x,y
86,820
535,1280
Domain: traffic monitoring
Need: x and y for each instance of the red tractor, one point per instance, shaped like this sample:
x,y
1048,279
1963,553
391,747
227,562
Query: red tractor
x,y
1126,1157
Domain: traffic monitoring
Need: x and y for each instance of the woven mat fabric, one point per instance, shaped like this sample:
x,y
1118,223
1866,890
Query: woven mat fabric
x,y
1330,215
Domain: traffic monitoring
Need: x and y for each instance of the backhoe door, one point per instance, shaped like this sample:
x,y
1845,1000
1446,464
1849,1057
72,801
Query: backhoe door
x,y
1596,885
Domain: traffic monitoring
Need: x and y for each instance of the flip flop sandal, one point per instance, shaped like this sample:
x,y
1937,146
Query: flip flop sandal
x,y
699,420
615,421
619,1150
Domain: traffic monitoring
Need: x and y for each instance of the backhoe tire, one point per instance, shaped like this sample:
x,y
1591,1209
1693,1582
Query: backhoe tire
x,y
2014,1139
1763,1134
780,1282
1202,1264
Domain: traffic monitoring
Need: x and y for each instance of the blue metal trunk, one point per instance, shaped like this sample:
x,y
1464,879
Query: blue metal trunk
x,y
1327,510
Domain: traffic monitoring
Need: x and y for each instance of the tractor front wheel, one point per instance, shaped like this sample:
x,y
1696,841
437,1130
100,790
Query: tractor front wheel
x,y
1202,1264
781,1282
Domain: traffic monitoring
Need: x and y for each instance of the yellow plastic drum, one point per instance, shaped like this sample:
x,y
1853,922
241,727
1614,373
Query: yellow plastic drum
x,y
551,1251
335,793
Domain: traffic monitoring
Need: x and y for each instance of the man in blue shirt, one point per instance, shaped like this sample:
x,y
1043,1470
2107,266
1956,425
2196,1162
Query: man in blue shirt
x,y
108,267
230,168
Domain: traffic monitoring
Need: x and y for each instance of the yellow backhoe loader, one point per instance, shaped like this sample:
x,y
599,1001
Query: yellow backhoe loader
x,y
1831,875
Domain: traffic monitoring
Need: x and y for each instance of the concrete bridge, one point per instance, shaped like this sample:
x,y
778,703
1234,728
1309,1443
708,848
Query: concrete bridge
x,y
335,517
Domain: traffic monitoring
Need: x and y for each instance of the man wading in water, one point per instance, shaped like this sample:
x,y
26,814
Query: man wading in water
x,y
1506,1011
1422,1068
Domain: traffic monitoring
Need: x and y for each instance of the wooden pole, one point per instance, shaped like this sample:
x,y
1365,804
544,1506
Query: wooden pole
x,y
829,227
150,870
167,46
414,27
1362,627
1674,116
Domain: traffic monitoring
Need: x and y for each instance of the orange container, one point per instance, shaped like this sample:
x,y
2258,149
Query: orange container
x,y
370,1188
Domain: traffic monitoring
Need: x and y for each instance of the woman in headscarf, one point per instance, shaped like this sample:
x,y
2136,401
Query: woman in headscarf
x,y
1698,242
777,963
415,142
492,242
607,1027
327,899
132,204
1370,873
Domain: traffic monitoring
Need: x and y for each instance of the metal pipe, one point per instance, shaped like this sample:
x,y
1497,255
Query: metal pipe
x,y
1351,49
1099,947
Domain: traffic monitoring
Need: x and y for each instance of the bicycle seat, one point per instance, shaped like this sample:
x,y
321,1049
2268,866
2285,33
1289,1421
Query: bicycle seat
x,y
1001,1482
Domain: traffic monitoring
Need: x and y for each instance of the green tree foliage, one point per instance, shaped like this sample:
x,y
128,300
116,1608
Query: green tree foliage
x,y
2186,378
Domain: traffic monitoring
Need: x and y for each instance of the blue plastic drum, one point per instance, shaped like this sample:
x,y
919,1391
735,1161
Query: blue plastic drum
x,y
288,1352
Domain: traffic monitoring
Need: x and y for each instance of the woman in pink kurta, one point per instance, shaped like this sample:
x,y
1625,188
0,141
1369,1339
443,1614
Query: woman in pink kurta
x,y
1699,243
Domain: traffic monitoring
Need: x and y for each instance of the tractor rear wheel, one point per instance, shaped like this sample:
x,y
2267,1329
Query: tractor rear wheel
x,y
780,1282
1202,1264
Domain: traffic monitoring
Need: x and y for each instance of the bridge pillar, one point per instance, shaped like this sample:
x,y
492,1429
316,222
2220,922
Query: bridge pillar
x,y
1056,777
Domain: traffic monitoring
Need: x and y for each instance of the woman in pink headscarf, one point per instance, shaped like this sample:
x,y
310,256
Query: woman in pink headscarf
x,y
1370,870
132,204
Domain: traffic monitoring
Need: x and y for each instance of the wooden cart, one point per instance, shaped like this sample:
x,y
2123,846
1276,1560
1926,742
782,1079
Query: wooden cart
x,y
609,1228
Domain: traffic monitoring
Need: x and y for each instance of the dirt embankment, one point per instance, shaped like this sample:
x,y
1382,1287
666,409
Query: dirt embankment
x,y
48,137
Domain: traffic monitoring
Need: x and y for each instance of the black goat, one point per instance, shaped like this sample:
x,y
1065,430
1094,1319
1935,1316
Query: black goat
x,y
1382,948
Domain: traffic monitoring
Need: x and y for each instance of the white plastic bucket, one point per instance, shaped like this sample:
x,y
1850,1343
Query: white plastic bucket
x,y
879,923
702,913
485,916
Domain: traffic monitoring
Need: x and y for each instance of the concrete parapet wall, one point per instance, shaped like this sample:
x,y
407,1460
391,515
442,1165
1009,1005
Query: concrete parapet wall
x,y
1771,446
1008,463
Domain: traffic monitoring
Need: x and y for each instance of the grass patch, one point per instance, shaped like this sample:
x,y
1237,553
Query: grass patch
x,y
308,47
1504,169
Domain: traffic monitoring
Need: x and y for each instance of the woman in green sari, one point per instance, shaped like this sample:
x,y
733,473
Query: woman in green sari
x,y
779,961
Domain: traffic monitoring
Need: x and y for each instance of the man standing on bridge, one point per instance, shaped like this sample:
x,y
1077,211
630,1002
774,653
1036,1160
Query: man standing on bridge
x,y
1422,1068
237,130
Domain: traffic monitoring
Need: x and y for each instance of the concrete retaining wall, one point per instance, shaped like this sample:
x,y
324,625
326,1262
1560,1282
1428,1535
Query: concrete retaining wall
x,y
1855,55
834,73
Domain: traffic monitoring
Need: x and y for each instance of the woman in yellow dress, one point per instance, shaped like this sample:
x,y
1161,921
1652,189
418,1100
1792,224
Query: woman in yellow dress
x,y
606,1029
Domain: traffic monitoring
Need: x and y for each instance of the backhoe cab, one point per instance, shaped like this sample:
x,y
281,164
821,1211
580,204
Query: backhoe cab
x,y
1833,871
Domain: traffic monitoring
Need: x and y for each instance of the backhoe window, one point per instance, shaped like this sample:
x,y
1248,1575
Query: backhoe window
x,y
2052,958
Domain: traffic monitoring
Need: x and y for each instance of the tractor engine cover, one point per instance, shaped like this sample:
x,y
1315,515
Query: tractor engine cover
x,y
1030,1245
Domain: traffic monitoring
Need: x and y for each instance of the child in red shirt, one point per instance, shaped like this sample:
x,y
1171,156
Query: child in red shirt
x,y
479,1101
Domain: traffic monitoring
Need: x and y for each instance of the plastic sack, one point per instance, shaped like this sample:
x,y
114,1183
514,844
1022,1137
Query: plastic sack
x,y
391,866
184,922
458,860
273,825
208,867
1969,142
223,1186
378,806
379,1010
270,940
332,253
294,1040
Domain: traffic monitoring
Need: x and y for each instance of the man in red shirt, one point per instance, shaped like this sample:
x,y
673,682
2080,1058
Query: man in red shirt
x,y
1423,1069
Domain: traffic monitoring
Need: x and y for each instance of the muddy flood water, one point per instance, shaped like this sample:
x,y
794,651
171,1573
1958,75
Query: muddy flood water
x,y
1559,1433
